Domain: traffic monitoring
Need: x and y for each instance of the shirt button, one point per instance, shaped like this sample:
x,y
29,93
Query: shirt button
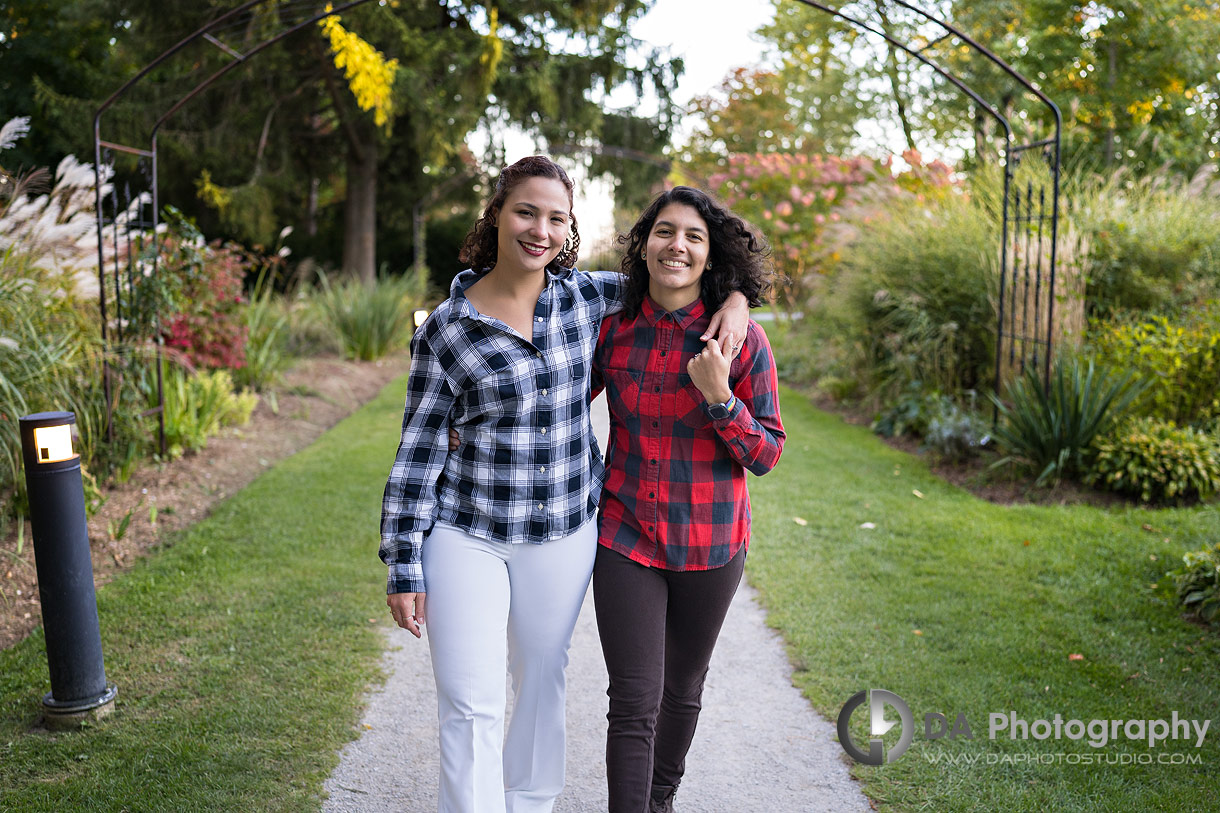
x,y
543,430
656,389
653,461
655,424
662,352
542,468
652,495
544,390
539,506
537,318
651,528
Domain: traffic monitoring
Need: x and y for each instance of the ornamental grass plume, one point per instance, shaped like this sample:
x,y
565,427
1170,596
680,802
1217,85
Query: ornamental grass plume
x,y
56,230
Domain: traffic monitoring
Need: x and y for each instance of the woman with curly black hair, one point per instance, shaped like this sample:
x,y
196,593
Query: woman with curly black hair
x,y
504,363
687,421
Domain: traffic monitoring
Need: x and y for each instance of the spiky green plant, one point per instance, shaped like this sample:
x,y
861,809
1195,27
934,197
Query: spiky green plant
x,y
1052,428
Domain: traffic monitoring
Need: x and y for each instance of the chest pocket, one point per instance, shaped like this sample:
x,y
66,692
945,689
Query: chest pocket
x,y
623,392
688,404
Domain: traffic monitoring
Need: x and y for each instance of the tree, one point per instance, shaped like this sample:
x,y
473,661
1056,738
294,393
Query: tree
x,y
65,46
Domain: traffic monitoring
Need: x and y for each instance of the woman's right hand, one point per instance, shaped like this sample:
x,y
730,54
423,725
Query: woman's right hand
x,y
408,610
454,440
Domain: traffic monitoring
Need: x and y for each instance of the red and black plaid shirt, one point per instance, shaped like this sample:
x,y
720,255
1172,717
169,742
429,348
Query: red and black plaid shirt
x,y
675,495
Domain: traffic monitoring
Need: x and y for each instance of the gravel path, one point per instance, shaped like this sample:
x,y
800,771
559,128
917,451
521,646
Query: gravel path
x,y
759,748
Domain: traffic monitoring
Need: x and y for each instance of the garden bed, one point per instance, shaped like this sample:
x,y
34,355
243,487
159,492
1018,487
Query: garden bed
x,y
159,499
1002,485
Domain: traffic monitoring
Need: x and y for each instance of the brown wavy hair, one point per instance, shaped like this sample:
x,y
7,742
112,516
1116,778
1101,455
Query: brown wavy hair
x,y
479,249
738,256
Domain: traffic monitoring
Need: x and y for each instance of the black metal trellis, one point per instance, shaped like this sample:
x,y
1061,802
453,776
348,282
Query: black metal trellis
x,y
1029,229
124,221
1025,313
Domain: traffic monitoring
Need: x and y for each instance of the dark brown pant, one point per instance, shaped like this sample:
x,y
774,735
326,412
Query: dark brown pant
x,y
658,630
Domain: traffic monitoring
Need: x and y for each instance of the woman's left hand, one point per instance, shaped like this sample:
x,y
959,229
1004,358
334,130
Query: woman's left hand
x,y
709,371
730,324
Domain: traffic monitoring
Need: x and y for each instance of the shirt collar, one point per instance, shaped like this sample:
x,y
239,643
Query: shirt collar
x,y
464,279
684,317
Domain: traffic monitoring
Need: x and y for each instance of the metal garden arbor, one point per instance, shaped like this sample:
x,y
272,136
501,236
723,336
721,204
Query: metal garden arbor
x,y
121,220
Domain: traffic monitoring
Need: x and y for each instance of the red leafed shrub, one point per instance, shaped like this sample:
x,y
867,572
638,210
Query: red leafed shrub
x,y
210,328
196,291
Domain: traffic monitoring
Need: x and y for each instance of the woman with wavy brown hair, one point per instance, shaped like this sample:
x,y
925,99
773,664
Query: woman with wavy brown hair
x,y
687,421
493,542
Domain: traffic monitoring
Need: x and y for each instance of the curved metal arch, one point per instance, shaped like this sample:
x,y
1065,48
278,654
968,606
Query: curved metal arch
x,y
1055,144
1011,156
204,33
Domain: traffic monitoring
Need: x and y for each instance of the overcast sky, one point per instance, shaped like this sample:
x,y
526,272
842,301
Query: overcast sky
x,y
713,37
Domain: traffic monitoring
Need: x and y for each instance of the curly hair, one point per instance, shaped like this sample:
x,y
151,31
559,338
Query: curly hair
x,y
738,257
479,249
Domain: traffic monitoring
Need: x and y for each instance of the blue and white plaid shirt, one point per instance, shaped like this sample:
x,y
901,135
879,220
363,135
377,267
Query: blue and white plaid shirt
x,y
528,468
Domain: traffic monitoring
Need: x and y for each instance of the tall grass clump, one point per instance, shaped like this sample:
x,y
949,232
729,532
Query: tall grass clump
x,y
1179,356
268,320
51,359
370,320
1154,241
911,300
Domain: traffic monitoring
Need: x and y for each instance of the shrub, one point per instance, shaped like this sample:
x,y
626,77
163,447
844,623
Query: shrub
x,y
908,414
198,405
1180,359
370,320
197,294
955,433
1198,582
948,430
1053,428
1157,462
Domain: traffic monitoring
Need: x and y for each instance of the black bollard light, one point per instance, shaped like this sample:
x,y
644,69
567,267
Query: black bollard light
x,y
65,572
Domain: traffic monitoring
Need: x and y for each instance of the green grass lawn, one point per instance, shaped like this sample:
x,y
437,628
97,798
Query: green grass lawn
x,y
241,651
964,607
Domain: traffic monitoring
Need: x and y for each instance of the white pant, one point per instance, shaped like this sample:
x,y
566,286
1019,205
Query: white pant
x,y
490,603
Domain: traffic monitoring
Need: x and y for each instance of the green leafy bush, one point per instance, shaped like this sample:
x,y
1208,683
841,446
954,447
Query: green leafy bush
x,y
1198,582
955,433
1179,358
947,429
198,405
1157,462
1053,428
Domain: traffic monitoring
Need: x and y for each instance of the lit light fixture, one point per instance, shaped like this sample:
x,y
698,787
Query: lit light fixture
x,y
56,496
420,316
53,444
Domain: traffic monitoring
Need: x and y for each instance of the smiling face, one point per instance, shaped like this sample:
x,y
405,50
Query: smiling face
x,y
532,224
676,253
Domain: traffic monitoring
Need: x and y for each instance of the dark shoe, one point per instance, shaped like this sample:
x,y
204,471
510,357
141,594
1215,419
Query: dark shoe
x,y
662,799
